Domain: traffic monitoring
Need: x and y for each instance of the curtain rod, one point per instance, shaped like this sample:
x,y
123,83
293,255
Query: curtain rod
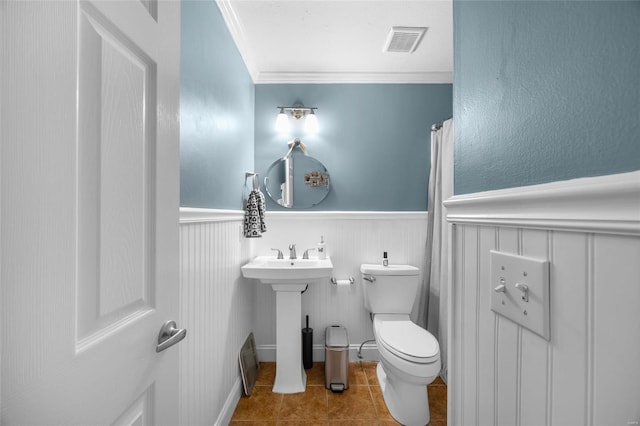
x,y
438,126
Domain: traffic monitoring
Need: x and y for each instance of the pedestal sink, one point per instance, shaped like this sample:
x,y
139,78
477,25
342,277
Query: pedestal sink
x,y
288,278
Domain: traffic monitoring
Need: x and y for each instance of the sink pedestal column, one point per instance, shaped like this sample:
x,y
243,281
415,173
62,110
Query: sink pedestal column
x,y
290,375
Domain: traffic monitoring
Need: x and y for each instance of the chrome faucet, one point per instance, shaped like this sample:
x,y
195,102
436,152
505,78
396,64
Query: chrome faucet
x,y
305,255
292,251
280,256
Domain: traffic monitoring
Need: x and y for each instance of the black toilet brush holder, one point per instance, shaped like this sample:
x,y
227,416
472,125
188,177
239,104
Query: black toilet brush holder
x,y
307,346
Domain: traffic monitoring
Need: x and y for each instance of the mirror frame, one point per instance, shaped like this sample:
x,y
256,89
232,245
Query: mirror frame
x,y
315,182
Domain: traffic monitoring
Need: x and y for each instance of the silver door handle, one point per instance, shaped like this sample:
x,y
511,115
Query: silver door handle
x,y
169,335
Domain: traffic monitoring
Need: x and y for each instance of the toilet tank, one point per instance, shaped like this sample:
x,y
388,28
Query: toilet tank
x,y
389,289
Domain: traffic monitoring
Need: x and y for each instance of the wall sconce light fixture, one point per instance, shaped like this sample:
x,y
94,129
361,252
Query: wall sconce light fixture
x,y
297,111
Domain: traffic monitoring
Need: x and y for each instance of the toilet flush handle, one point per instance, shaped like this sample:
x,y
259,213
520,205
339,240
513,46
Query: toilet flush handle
x,y
369,278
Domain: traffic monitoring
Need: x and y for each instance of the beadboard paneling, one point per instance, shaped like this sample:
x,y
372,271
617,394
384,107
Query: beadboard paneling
x,y
352,238
587,374
219,307
216,309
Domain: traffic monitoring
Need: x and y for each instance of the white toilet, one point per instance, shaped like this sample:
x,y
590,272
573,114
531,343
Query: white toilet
x,y
409,354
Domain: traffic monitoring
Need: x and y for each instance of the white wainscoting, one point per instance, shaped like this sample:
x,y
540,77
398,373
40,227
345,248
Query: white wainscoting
x,y
216,307
589,372
352,238
219,308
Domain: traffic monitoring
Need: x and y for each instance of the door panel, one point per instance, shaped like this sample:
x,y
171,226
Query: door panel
x,y
117,84
140,412
89,211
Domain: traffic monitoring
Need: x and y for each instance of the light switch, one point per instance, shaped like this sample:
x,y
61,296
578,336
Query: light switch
x,y
520,290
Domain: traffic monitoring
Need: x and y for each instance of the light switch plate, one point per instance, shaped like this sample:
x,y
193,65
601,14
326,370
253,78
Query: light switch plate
x,y
528,303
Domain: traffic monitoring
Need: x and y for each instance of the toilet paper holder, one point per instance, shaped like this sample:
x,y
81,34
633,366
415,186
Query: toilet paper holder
x,y
334,281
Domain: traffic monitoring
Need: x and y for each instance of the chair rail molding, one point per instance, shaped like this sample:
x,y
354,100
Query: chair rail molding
x,y
195,215
605,204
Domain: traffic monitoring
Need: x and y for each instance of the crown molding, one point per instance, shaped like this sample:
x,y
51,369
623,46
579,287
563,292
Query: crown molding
x,y
237,34
605,204
354,77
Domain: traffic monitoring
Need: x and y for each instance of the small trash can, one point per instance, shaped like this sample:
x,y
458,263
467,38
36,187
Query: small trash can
x,y
336,359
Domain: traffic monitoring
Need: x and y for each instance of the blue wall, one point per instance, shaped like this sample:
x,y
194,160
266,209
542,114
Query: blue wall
x,y
545,91
374,139
216,111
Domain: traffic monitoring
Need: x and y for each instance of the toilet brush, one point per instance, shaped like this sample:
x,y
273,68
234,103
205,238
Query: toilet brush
x,y
307,346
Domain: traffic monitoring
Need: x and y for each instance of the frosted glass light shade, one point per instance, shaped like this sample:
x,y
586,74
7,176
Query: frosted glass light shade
x,y
282,122
311,123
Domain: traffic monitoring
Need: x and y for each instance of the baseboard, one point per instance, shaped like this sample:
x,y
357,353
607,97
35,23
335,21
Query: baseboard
x,y
224,418
267,353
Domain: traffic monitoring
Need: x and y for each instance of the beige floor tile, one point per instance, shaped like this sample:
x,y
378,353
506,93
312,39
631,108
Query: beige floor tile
x,y
315,375
437,382
354,403
309,405
361,405
378,401
438,402
369,368
263,404
267,374
356,374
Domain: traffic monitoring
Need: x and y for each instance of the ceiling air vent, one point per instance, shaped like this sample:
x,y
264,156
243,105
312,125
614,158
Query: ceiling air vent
x,y
404,39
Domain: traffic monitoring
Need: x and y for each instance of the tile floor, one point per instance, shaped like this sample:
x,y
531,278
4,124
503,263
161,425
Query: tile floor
x,y
361,404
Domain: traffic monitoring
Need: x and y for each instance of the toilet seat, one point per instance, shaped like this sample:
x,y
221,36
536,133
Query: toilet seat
x,y
409,341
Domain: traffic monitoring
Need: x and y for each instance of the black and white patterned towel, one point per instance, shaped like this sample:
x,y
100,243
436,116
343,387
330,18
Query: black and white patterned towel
x,y
254,224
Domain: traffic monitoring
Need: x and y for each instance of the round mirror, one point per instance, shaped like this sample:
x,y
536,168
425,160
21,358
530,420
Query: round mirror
x,y
297,181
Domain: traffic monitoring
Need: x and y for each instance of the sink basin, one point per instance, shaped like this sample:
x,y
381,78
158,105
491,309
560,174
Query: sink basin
x,y
270,270
288,278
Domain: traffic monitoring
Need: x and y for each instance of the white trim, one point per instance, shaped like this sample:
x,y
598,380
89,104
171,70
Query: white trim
x,y
267,353
195,215
346,215
354,77
237,34
224,418
605,204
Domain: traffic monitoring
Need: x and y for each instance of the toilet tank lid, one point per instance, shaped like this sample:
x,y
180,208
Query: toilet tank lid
x,y
377,269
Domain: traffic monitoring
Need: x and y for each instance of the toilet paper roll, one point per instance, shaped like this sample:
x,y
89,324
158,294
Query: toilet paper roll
x,y
343,283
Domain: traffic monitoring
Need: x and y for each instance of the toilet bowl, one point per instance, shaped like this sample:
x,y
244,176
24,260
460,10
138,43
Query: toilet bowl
x,y
409,361
409,354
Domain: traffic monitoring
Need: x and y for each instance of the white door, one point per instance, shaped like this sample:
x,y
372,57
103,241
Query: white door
x,y
89,210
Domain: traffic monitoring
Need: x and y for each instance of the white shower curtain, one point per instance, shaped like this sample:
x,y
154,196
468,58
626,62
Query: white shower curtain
x,y
432,313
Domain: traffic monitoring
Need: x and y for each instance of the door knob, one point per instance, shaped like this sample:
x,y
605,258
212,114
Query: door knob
x,y
169,335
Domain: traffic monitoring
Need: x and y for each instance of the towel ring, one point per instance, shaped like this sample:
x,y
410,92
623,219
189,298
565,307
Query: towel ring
x,y
255,184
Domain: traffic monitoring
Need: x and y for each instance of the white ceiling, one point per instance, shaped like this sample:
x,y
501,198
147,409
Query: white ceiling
x,y
340,41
